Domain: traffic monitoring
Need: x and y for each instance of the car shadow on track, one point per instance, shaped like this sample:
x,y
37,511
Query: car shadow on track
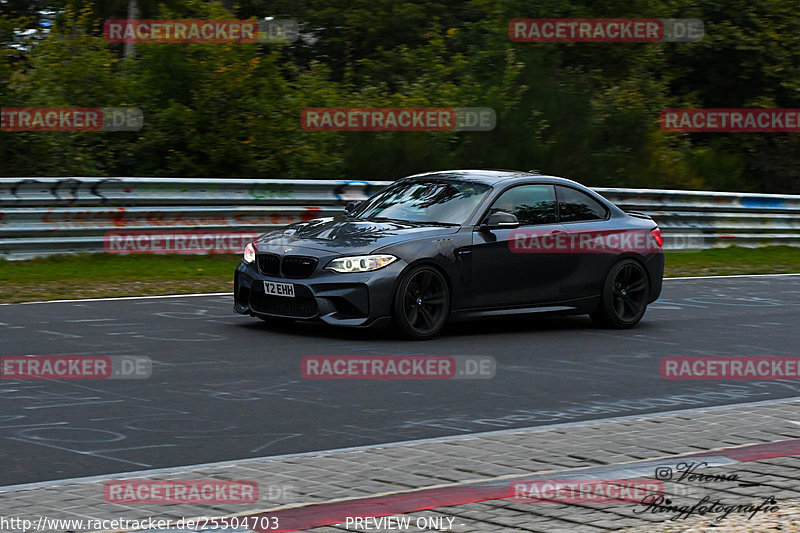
x,y
467,328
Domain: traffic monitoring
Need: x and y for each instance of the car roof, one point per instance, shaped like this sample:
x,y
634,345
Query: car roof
x,y
488,177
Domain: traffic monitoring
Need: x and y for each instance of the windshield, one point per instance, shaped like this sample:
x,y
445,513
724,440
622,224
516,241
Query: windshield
x,y
441,202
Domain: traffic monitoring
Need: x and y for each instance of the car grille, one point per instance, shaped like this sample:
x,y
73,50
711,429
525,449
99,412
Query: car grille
x,y
269,264
298,267
303,305
292,266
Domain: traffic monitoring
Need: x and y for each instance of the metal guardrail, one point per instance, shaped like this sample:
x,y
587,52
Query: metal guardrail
x,y
44,216
708,219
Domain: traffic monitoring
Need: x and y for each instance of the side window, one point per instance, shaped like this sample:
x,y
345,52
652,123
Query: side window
x,y
574,206
532,204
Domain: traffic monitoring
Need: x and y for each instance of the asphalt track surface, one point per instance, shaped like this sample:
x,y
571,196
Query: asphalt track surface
x,y
228,387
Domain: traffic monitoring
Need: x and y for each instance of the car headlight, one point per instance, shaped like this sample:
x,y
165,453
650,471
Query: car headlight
x,y
360,263
249,253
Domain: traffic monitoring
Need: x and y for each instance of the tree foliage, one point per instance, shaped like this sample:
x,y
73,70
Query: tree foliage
x,y
588,111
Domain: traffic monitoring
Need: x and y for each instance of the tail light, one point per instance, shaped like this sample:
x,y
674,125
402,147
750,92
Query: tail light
x,y
656,233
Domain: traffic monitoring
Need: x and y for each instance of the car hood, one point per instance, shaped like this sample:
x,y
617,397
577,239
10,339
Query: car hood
x,y
343,235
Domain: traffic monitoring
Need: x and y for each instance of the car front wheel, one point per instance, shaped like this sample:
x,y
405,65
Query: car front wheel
x,y
421,303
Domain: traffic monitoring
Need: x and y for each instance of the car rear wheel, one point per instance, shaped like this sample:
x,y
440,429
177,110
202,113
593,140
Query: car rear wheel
x,y
624,298
422,303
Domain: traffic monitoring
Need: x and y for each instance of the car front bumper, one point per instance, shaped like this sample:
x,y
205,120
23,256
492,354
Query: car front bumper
x,y
353,299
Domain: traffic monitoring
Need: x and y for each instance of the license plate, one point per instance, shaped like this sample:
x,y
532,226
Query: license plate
x,y
279,289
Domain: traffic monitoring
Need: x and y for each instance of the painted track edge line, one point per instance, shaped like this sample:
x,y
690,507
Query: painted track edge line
x,y
736,276
116,298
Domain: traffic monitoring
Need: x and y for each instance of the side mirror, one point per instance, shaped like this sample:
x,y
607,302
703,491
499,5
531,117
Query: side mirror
x,y
350,207
501,220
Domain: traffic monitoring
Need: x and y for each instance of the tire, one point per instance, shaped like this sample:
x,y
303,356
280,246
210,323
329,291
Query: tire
x,y
421,303
624,297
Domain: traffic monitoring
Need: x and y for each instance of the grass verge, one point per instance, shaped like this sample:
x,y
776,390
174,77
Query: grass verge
x,y
104,275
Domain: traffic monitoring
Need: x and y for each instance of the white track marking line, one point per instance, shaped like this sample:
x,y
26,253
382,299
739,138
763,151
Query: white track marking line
x,y
735,276
126,298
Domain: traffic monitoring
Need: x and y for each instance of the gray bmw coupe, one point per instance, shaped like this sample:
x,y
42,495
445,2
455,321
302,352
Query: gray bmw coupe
x,y
455,245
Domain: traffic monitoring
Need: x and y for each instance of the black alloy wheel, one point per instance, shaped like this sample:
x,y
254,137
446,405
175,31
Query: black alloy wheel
x,y
422,303
625,295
